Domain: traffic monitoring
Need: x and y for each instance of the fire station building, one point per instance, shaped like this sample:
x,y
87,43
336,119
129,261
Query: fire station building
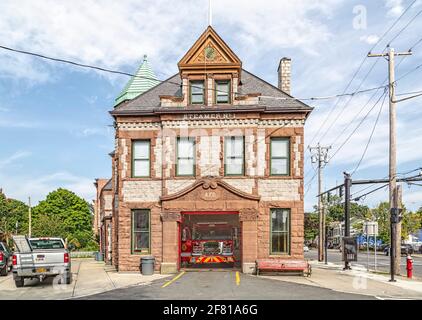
x,y
208,165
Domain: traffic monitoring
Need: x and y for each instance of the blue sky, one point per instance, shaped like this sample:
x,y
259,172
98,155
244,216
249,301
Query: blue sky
x,y
54,122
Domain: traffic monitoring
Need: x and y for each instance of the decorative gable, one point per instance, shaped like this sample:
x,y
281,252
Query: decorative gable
x,y
210,53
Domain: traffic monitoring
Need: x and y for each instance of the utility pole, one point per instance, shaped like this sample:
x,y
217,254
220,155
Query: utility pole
x,y
347,186
320,155
395,230
29,218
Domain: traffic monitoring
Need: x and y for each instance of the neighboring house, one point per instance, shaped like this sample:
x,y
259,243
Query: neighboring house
x,y
337,229
103,209
205,150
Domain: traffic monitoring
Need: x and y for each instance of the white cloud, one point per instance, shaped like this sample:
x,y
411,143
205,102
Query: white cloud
x,y
369,39
11,159
22,186
395,7
116,34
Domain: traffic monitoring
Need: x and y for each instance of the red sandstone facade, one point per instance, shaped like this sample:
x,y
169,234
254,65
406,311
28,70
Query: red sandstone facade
x,y
268,207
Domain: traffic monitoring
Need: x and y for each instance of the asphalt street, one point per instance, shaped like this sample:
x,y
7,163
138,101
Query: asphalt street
x,y
224,285
383,261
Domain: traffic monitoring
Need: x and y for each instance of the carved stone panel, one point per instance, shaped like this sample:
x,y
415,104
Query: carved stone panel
x,y
171,216
248,214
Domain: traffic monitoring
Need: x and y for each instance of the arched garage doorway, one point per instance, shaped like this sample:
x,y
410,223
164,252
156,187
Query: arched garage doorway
x,y
210,239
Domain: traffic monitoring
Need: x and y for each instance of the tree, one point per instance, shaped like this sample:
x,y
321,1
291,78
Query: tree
x,y
13,213
335,210
48,226
381,214
70,211
311,225
411,223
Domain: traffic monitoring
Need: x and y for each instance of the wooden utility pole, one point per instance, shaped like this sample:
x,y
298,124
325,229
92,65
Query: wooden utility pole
x,y
347,186
320,155
29,218
395,229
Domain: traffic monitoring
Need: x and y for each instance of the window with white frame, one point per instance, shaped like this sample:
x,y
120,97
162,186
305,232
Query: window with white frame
x,y
140,158
185,165
234,156
280,156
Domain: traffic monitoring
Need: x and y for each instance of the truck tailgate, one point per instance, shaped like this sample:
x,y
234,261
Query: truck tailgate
x,y
48,257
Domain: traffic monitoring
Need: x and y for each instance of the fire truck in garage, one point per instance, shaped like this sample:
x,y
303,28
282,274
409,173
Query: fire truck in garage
x,y
205,243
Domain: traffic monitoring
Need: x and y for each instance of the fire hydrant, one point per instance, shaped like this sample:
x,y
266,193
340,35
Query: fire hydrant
x,y
409,266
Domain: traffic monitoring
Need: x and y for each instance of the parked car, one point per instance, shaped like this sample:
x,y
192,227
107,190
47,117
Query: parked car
x,y
305,248
405,249
5,259
40,258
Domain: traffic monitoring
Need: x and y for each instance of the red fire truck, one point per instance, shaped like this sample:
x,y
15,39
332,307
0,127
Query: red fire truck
x,y
208,242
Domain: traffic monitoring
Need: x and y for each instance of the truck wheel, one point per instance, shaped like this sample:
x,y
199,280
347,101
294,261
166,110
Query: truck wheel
x,y
4,271
19,282
69,279
65,278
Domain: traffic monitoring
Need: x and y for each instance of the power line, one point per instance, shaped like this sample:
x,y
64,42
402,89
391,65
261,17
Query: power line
x,y
363,107
415,44
408,98
404,28
370,137
324,97
360,67
347,103
359,124
372,191
397,174
77,64
370,70
409,72
172,82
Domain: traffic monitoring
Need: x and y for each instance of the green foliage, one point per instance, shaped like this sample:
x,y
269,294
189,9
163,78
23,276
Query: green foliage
x,y
311,225
45,225
335,209
67,215
11,212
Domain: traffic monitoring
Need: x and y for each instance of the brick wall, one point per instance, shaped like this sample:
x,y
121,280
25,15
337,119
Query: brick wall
x,y
275,192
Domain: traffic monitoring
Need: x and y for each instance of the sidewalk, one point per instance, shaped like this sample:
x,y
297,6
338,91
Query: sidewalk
x,y
89,277
358,281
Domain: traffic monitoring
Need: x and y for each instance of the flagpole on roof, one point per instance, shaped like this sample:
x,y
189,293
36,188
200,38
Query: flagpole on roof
x,y
209,12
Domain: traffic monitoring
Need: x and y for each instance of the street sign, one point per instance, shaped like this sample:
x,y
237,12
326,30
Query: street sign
x,y
370,228
350,249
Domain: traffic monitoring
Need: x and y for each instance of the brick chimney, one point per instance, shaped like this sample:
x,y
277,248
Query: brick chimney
x,y
284,74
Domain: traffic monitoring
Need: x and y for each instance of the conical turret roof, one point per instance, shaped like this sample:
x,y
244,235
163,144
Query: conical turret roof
x,y
143,80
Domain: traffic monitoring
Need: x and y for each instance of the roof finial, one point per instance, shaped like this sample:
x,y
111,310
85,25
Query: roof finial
x,y
210,12
145,57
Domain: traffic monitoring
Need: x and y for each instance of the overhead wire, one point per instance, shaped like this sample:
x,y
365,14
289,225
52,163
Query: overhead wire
x,y
370,137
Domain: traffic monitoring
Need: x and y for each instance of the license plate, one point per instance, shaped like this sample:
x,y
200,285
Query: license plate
x,y
41,270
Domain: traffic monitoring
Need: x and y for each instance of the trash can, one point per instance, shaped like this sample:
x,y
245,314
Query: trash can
x,y
147,265
100,256
96,255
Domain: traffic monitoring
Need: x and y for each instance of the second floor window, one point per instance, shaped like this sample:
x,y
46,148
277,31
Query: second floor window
x,y
234,156
140,158
222,91
185,157
197,92
280,156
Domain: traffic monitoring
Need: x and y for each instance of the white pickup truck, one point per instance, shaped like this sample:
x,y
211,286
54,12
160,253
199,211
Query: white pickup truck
x,y
40,258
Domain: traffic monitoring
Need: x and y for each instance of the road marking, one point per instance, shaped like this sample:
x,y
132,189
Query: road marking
x,y
174,279
237,278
